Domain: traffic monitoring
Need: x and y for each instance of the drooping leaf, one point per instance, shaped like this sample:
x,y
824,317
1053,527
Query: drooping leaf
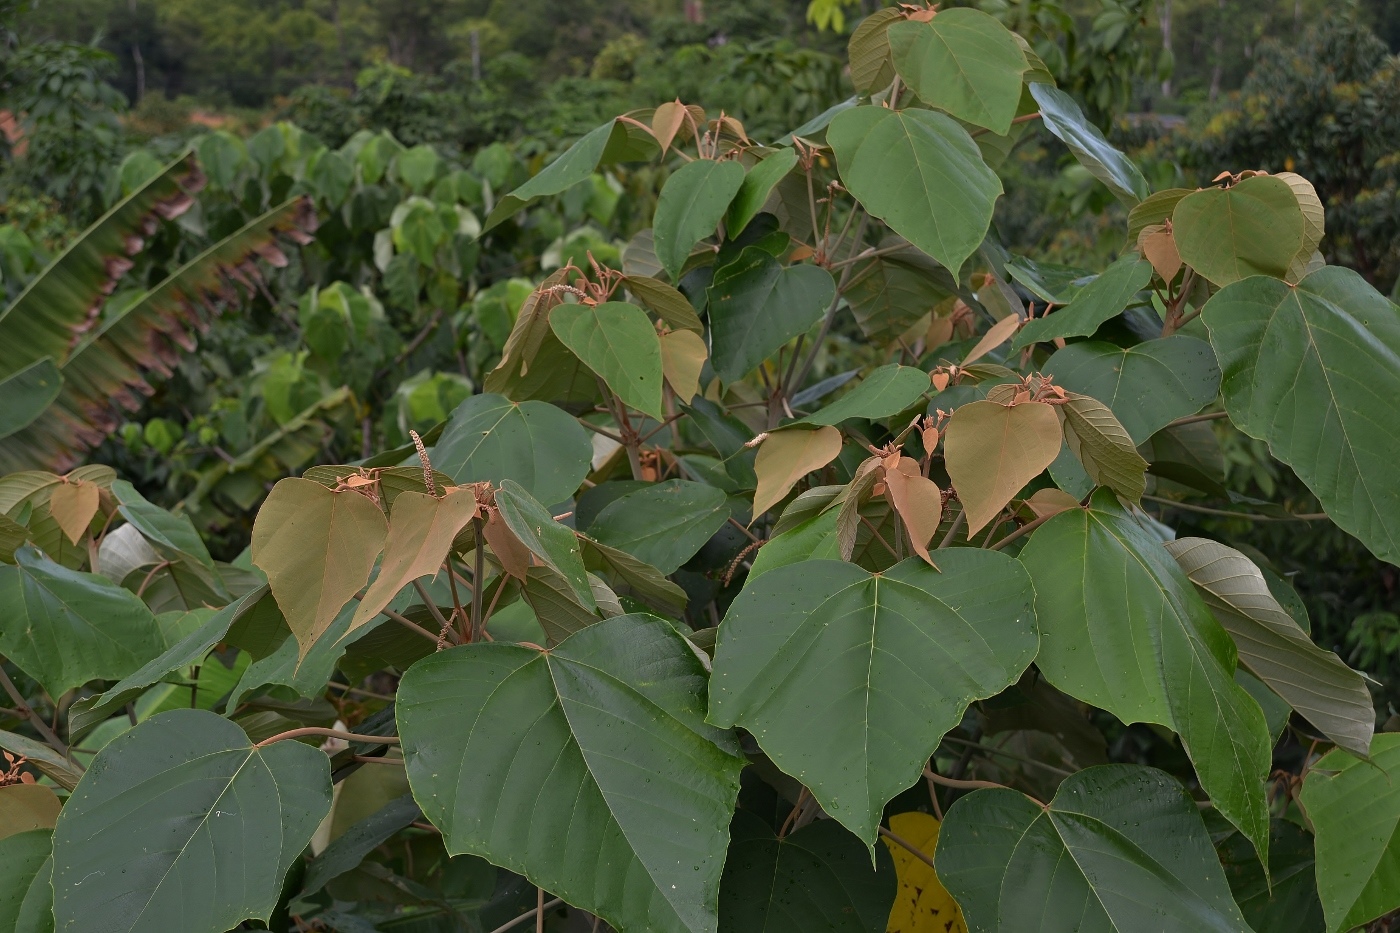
x,y
27,393
1101,299
1314,222
964,62
664,524
1120,849
551,542
575,165
362,838
1312,369
668,303
317,548
534,364
1122,628
618,342
849,680
918,502
1270,643
602,742
787,456
175,539
647,584
1103,446
922,904
26,897
218,821
539,446
556,609
1062,117
1227,234
817,878
872,68
692,203
757,305
50,763
1148,386
64,627
1354,806
683,356
921,173
993,450
1285,900
421,530
888,390
754,191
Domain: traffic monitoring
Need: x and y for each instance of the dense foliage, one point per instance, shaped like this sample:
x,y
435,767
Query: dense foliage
x,y
708,527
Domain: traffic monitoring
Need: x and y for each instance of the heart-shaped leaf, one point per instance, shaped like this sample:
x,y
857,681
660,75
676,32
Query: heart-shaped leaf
x,y
541,447
964,62
1122,628
692,203
683,356
1103,298
664,524
1148,386
1312,370
593,754
757,305
218,821
618,342
785,457
993,450
921,173
1227,234
849,680
1062,117
1120,849
889,294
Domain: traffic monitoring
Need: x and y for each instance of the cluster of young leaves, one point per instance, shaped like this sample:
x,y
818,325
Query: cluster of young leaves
x,y
688,641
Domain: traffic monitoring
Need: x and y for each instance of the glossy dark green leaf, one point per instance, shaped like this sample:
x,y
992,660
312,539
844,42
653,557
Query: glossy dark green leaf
x,y
849,680
757,305
218,823
964,62
1121,849
602,742
921,173
362,838
575,165
26,895
1354,806
1123,629
665,524
754,191
65,627
817,878
1312,369
618,342
1062,117
27,394
1148,386
539,446
1103,298
887,390
692,203
1290,903
557,609
554,544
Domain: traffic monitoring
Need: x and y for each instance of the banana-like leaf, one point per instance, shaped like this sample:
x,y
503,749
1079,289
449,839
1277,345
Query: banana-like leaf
x,y
113,366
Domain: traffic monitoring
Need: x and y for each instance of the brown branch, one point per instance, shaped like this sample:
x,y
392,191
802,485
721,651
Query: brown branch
x,y
512,924
34,718
1025,529
1247,516
332,734
907,846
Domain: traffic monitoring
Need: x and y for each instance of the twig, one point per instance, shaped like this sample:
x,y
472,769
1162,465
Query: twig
x,y
413,344
34,718
1208,416
512,924
1025,529
879,537
431,604
478,577
146,581
330,734
937,778
751,536
907,846
953,530
457,609
356,691
830,316
1247,516
1005,754
404,621
1025,119
597,430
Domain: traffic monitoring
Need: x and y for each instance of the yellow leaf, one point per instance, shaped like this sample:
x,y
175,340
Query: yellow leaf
x,y
73,504
991,451
785,457
918,501
922,904
683,355
1001,332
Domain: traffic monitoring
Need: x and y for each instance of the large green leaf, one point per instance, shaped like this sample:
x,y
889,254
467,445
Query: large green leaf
x,y
1122,628
1285,900
817,878
1354,806
27,393
618,342
317,547
575,165
964,62
554,544
1226,234
65,627
887,390
754,191
664,524
181,823
26,897
1062,117
1314,369
849,680
588,769
1148,386
1121,849
921,173
757,305
534,443
1101,299
1314,681
692,203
